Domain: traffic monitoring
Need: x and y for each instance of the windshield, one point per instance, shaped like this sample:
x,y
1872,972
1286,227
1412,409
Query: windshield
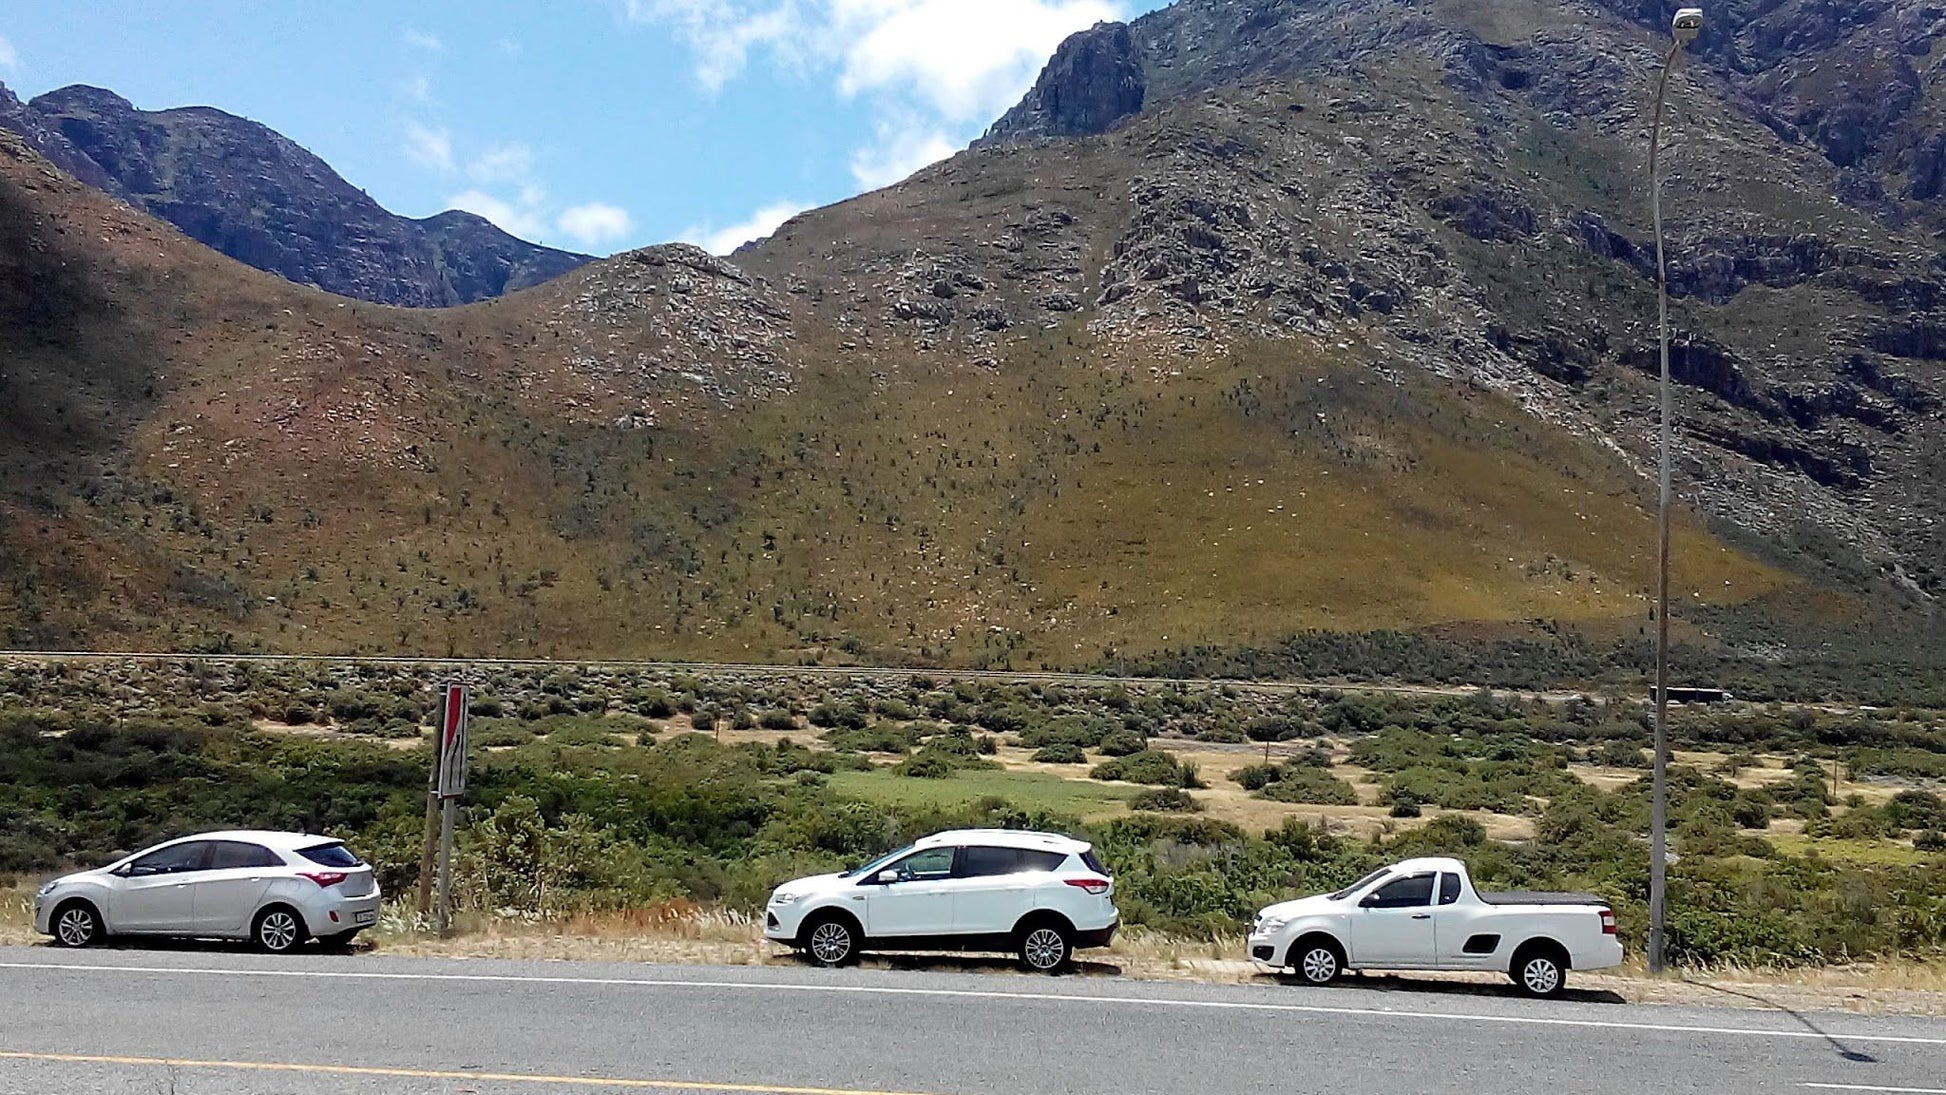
x,y
1361,884
874,865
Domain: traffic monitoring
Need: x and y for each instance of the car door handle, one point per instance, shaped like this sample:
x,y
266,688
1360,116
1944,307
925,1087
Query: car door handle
x,y
1422,916
858,897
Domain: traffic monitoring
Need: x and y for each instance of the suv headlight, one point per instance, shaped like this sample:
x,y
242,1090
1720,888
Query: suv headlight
x,y
786,898
1268,924
47,888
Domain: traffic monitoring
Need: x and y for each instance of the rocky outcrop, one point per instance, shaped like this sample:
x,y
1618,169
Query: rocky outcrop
x,y
256,196
1093,81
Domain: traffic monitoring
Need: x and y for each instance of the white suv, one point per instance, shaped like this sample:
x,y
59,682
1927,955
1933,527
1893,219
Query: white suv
x,y
1037,895
274,889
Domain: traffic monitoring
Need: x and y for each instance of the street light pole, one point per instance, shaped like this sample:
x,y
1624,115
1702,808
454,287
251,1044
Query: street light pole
x,y
1688,23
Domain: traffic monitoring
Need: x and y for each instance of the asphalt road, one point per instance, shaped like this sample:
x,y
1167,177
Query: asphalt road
x,y
218,1022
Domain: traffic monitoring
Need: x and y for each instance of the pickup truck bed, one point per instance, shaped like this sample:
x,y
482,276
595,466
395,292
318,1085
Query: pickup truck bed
x,y
1518,897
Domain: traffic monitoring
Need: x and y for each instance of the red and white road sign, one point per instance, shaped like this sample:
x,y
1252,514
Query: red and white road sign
x,y
452,742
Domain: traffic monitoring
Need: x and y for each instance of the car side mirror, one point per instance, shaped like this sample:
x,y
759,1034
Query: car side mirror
x,y
886,878
1370,901
122,871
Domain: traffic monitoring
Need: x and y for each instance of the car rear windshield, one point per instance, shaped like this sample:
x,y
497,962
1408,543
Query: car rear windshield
x,y
331,855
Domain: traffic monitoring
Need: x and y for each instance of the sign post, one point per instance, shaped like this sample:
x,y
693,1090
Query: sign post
x,y
451,780
429,847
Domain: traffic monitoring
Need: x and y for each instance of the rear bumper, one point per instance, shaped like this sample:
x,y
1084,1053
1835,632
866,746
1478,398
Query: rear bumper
x,y
1606,954
338,916
1096,937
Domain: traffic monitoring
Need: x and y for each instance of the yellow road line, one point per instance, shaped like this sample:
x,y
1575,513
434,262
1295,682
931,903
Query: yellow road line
x,y
433,1074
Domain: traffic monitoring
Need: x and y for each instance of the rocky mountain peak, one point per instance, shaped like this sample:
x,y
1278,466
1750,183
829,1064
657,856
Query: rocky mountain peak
x,y
1093,81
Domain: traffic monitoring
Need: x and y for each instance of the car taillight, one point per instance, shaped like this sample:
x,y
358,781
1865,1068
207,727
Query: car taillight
x,y
325,878
1608,921
1096,886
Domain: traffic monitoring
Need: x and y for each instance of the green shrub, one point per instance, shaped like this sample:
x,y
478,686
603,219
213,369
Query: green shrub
x,y
1121,743
1932,840
1165,799
1221,735
1309,785
777,719
1151,766
1916,810
1060,754
1255,777
1620,754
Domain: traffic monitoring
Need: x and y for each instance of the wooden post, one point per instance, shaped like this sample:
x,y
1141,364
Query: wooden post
x,y
447,808
430,844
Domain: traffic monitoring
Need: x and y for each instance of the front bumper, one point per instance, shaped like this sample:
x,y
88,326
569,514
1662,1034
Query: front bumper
x,y
42,911
1269,950
782,921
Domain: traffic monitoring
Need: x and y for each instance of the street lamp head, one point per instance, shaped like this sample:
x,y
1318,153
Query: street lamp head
x,y
1688,24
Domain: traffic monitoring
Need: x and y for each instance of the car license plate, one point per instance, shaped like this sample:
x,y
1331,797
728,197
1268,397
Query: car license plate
x,y
364,917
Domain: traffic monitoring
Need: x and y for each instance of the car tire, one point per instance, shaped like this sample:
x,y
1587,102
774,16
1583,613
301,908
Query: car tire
x,y
1045,946
1317,960
278,930
830,939
76,924
1540,972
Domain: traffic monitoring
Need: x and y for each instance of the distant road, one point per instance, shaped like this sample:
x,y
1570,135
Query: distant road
x,y
744,670
225,1023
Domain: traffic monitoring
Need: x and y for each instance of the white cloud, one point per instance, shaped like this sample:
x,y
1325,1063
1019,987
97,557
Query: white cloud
x,y
904,145
429,147
511,47
722,241
933,72
511,162
968,62
419,39
8,58
522,216
594,224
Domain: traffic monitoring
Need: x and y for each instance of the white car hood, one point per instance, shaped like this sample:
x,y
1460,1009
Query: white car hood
x,y
1304,906
821,883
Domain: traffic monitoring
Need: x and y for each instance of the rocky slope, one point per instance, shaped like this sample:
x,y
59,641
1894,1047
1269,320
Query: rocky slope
x,y
256,196
1348,326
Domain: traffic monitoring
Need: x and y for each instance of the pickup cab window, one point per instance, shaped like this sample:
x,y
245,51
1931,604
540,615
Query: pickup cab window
x,y
1449,888
1411,892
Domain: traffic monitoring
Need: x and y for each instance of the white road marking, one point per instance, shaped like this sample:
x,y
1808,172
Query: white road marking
x,y
979,994
1868,1087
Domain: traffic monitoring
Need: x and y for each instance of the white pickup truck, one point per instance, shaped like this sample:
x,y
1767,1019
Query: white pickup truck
x,y
1424,914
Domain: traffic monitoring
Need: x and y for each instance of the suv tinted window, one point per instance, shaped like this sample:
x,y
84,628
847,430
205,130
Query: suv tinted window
x,y
980,862
1405,893
331,855
1089,861
172,860
229,855
1448,888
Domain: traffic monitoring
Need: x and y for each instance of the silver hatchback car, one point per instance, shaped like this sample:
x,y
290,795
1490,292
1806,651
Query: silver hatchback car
x,y
275,889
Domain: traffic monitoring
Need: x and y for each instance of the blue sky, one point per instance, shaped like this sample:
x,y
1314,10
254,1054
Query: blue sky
x,y
597,125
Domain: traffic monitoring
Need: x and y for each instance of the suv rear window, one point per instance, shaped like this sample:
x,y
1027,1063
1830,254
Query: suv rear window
x,y
331,855
1089,861
979,861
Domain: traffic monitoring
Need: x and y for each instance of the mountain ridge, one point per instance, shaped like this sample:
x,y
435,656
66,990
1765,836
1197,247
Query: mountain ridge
x,y
1360,347
259,197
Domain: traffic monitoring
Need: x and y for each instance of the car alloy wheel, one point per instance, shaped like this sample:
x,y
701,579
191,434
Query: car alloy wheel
x,y
1044,949
76,926
831,942
278,931
1319,965
1541,976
